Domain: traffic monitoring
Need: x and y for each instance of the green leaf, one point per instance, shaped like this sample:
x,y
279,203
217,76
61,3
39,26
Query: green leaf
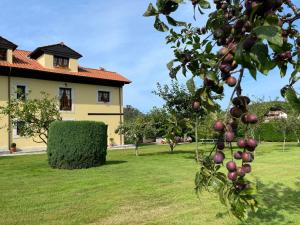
x,y
151,11
191,86
293,99
259,53
204,4
208,47
272,20
160,26
270,33
170,65
174,22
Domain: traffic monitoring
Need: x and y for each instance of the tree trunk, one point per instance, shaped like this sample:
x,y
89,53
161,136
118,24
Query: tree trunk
x,y
171,147
136,149
196,136
284,140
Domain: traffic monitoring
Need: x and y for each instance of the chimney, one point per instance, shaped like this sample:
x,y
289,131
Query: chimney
x,y
101,68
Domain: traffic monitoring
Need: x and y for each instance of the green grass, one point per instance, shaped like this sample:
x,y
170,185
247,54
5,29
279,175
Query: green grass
x,y
154,188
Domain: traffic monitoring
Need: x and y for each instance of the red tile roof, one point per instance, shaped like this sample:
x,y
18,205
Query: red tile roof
x,y
21,60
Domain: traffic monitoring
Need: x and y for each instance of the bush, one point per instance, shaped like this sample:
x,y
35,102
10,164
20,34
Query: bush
x,y
268,133
77,144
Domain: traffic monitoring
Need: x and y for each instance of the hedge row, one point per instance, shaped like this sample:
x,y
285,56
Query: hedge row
x,y
269,133
77,144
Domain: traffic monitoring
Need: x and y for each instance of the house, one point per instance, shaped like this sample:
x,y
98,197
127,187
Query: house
x,y
275,112
84,93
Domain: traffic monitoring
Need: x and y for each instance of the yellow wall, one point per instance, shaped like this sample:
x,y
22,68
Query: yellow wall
x,y
73,65
84,102
46,60
9,55
3,119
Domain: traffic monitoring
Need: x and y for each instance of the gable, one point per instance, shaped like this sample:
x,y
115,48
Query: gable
x,y
4,43
58,50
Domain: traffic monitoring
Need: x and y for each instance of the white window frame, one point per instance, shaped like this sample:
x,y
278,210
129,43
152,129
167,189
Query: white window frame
x,y
15,135
97,97
16,89
72,96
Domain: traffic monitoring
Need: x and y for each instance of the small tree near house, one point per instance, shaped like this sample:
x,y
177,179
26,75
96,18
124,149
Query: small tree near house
x,y
33,116
135,130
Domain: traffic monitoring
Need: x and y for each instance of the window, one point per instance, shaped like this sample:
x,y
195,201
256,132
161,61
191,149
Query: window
x,y
103,96
60,62
21,92
65,98
3,54
20,125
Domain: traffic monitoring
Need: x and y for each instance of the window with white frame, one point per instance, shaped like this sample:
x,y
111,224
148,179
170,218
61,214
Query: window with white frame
x,y
104,96
65,99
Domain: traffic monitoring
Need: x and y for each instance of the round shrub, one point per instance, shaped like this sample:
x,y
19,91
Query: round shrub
x,y
77,144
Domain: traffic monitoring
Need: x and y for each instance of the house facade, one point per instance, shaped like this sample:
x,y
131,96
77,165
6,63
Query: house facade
x,y
275,113
83,93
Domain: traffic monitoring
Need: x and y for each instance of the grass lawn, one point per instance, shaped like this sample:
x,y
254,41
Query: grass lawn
x,y
154,188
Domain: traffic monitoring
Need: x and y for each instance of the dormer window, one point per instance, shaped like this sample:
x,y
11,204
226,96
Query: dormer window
x,y
3,54
61,62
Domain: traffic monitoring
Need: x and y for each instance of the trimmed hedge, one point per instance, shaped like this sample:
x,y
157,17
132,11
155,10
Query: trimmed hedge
x,y
268,133
77,144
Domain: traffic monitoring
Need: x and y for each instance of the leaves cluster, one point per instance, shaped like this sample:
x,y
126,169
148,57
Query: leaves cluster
x,y
35,115
233,196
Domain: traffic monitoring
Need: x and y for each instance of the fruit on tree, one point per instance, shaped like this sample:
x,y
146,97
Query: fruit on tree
x,y
242,143
231,81
219,157
246,157
232,176
247,168
220,145
196,105
248,43
251,118
236,112
241,101
229,136
238,155
208,83
219,126
241,171
231,166
251,143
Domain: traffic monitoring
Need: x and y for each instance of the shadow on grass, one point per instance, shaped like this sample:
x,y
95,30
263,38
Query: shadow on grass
x,y
114,162
276,201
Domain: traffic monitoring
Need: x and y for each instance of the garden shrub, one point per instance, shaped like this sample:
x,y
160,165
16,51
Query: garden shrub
x,y
267,132
77,144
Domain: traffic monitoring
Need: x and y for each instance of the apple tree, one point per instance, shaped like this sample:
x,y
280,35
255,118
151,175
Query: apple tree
x,y
35,115
240,38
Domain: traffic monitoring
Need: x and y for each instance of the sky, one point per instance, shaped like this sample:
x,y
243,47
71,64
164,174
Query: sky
x,y
114,35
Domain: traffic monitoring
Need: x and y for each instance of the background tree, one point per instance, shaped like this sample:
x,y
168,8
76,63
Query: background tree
x,y
130,113
253,36
135,130
33,116
284,126
158,117
260,107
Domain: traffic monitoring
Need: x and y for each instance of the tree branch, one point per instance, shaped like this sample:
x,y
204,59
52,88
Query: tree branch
x,y
290,4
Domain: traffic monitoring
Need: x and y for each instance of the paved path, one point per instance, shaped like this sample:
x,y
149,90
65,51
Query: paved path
x,y
43,151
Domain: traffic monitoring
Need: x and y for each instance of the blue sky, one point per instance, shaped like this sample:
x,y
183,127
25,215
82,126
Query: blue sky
x,y
110,34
